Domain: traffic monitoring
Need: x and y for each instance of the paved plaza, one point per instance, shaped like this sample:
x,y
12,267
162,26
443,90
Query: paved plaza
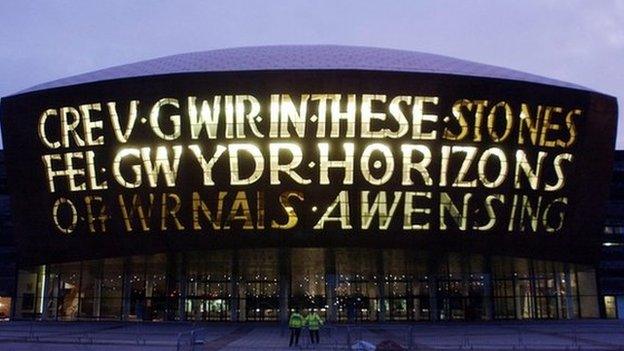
x,y
545,335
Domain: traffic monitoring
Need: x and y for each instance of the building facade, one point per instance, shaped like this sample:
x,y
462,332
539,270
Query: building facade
x,y
369,184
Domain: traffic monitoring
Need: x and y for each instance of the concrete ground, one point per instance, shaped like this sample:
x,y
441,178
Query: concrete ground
x,y
117,336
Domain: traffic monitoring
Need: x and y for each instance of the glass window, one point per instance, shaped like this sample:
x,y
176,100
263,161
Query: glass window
x,y
357,292
157,305
209,282
307,279
90,296
112,288
259,285
610,307
588,299
29,295
137,288
68,290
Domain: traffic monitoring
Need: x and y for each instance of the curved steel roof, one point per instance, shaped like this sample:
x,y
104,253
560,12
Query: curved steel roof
x,y
302,57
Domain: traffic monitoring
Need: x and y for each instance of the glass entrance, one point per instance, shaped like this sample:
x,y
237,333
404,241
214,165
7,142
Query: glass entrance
x,y
307,280
258,285
357,291
209,286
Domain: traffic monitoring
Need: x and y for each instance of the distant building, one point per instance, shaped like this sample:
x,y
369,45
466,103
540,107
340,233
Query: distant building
x,y
611,272
7,248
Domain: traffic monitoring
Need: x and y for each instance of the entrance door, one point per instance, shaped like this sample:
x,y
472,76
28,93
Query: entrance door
x,y
216,310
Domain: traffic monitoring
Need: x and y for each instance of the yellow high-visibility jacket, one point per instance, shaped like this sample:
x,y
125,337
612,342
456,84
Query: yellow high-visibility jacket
x,y
296,320
314,321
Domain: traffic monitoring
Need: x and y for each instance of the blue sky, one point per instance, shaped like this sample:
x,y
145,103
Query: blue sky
x,y
572,40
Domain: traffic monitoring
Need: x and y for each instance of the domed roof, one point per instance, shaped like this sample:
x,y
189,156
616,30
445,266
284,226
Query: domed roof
x,y
302,57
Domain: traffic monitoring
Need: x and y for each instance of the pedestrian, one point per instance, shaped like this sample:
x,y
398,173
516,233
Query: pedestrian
x,y
314,323
295,323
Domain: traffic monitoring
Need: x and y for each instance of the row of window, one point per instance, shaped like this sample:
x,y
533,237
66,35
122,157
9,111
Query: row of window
x,y
367,284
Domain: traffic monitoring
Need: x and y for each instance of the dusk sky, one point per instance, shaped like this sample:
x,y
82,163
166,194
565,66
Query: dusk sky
x,y
576,41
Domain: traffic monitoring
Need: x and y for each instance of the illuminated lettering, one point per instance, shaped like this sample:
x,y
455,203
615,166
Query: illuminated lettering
x,y
502,165
421,167
69,126
161,165
458,113
207,166
65,229
199,205
365,163
170,211
136,168
114,117
92,173
242,114
342,202
348,116
471,152
380,207
42,129
418,117
409,210
550,229
235,178
571,128
347,164
489,208
284,200
290,114
206,117
102,216
288,168
559,170
447,205
175,119
508,122
479,112
321,117
533,174
368,116
128,215
68,170
548,125
531,211
395,111
527,121
89,125
239,212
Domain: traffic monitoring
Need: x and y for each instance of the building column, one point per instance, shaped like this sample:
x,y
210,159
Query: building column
x,y
97,291
45,301
465,282
432,272
234,280
570,312
283,262
126,289
56,293
330,285
517,298
381,286
182,282
171,278
488,289
15,298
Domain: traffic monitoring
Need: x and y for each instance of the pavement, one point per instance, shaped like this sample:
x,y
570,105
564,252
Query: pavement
x,y
509,335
